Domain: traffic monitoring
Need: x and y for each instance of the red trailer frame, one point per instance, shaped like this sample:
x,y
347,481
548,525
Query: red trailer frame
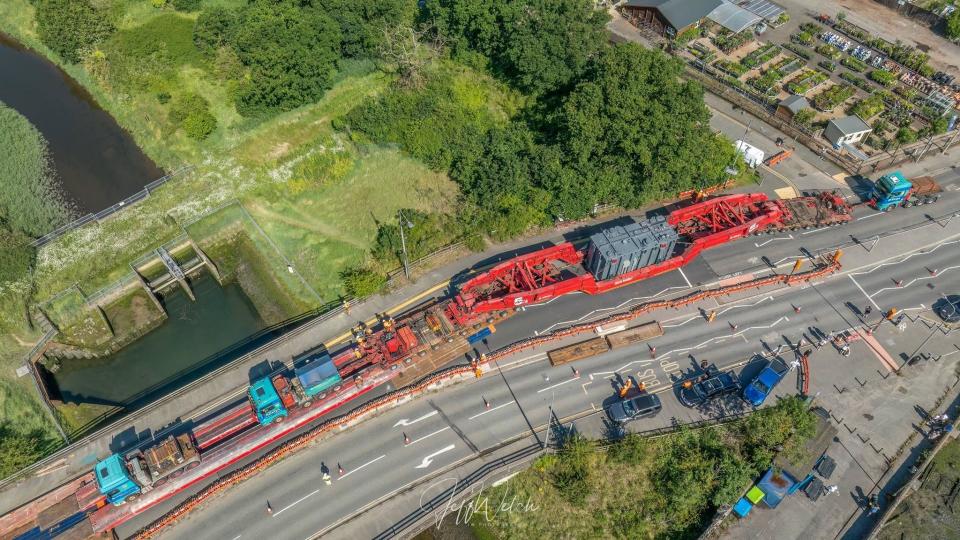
x,y
555,271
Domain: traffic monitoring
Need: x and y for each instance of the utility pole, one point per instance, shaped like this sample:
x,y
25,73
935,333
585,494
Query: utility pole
x,y
403,242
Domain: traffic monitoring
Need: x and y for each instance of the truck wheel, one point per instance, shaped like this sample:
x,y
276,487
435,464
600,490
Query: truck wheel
x,y
307,404
192,465
130,498
278,419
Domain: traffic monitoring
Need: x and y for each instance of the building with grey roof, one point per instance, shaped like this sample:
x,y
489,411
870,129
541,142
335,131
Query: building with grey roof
x,y
790,106
668,17
848,130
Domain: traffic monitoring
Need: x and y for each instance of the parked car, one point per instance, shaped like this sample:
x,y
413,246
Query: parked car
x,y
709,387
763,384
642,405
948,308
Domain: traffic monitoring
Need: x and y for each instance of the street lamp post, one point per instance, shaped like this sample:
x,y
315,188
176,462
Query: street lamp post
x,y
403,242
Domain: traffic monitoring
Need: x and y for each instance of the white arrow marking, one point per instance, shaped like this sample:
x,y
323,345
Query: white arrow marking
x,y
405,422
429,459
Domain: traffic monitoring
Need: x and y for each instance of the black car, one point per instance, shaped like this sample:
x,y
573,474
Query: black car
x,y
948,308
642,405
709,387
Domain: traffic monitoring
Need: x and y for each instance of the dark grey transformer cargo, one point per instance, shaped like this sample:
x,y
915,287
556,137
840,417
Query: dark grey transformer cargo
x,y
619,250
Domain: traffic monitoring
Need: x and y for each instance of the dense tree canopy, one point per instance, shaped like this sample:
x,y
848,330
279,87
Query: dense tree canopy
x,y
952,25
363,23
215,28
539,45
635,132
291,53
70,26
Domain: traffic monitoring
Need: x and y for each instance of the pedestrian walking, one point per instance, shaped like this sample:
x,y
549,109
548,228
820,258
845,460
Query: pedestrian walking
x,y
831,489
269,509
794,365
868,310
326,479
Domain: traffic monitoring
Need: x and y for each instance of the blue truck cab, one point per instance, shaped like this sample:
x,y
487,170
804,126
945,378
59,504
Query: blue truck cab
x,y
890,191
266,402
763,384
315,373
114,481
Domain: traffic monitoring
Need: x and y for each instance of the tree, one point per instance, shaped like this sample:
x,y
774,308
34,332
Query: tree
x,y
362,281
291,52
70,26
17,449
634,132
363,23
402,46
215,28
952,27
906,135
192,113
186,5
16,256
804,117
538,45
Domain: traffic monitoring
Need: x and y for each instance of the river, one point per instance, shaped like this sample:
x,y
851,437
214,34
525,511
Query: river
x,y
182,348
98,163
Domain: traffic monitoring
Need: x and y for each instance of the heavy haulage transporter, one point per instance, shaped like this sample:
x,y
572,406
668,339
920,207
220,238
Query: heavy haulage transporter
x,y
406,347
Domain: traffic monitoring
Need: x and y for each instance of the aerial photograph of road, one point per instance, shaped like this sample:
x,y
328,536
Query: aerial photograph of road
x,y
463,269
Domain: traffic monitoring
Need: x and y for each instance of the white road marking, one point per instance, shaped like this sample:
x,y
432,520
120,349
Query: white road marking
x,y
907,258
761,244
558,384
532,358
351,471
684,277
863,291
407,422
237,537
815,230
912,281
415,441
296,502
491,410
429,459
869,216
601,310
681,324
707,342
764,299
504,479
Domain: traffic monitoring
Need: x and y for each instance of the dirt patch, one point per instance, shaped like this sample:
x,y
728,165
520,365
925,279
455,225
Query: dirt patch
x,y
278,151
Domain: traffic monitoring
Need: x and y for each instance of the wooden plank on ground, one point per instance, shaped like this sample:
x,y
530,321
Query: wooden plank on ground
x,y
637,334
578,351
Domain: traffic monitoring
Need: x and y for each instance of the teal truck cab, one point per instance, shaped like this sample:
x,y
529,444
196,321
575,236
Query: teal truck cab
x,y
122,480
893,190
314,376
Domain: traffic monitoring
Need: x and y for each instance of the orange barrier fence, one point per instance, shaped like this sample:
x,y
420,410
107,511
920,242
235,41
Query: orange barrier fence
x,y
293,445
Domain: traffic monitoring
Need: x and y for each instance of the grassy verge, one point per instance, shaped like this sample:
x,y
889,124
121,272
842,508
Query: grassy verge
x,y
668,487
933,510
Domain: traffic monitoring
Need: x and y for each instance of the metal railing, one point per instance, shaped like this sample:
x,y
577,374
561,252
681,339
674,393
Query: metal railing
x,y
103,214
